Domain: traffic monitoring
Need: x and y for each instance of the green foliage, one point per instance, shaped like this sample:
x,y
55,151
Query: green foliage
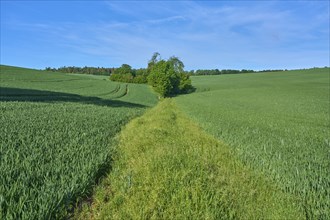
x,y
277,123
128,77
185,85
177,64
82,70
160,78
168,168
140,79
57,137
154,59
168,77
124,69
126,74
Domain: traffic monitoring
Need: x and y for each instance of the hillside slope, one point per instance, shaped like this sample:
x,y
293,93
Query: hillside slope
x,y
57,137
277,123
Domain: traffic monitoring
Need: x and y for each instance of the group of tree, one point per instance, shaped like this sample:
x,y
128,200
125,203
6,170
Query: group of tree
x,y
270,70
219,72
167,77
227,71
82,70
125,73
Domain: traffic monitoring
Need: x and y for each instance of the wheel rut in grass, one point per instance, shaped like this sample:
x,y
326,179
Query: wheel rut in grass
x,y
167,167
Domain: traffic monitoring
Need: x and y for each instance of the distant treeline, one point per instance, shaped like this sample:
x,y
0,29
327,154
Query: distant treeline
x,y
83,70
126,73
226,71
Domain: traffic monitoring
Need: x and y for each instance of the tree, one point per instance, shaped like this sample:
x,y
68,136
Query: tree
x,y
154,59
177,64
168,77
159,78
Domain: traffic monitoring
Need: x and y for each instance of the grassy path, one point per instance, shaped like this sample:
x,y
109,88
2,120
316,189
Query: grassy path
x,y
166,167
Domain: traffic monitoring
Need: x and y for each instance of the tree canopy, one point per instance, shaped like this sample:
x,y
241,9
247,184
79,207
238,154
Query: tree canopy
x,y
168,77
125,73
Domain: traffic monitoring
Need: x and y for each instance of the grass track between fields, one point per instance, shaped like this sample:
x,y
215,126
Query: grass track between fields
x,y
166,167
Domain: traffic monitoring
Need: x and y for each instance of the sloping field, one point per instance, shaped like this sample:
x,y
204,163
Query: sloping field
x,y
57,137
168,168
17,83
277,123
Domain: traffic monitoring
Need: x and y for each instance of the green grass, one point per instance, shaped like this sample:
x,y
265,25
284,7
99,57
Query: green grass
x,y
168,168
277,123
57,137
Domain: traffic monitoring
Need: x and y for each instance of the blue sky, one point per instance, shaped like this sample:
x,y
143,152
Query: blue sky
x,y
203,34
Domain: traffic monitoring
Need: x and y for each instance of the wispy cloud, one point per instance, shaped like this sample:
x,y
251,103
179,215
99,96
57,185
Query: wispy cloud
x,y
166,19
204,35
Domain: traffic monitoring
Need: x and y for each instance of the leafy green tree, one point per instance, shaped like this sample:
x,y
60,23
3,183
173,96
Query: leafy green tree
x,y
159,78
168,77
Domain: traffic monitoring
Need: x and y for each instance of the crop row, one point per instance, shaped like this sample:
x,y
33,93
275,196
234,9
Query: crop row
x,y
277,123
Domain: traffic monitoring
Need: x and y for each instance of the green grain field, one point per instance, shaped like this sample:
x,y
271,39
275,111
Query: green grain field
x,y
245,146
57,137
276,123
